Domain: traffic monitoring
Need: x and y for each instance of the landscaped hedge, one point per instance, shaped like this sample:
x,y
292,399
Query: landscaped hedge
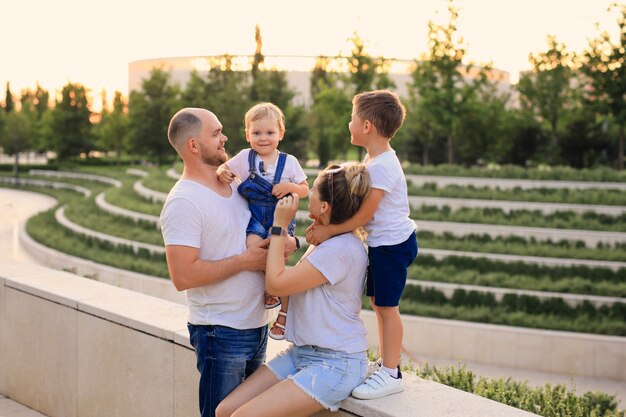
x,y
480,271
549,400
516,245
540,195
527,218
514,310
516,172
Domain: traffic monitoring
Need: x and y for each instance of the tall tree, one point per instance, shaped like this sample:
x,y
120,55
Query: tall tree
x,y
150,110
112,131
9,105
18,132
34,104
330,115
361,65
71,123
605,68
546,90
441,83
320,76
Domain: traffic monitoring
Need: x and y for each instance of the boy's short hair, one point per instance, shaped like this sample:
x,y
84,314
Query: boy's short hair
x,y
263,110
382,108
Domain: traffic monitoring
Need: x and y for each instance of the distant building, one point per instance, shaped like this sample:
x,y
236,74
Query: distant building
x,y
297,68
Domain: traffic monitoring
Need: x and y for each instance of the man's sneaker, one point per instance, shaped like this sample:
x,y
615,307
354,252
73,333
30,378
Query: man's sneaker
x,y
379,384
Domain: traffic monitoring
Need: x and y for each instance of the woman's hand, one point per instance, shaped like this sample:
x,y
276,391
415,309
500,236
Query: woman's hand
x,y
286,210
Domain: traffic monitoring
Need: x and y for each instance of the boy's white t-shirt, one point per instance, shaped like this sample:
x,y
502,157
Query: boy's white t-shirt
x,y
292,172
194,215
328,316
391,223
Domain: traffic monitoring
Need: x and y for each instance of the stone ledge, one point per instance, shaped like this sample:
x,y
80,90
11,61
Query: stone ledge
x,y
167,321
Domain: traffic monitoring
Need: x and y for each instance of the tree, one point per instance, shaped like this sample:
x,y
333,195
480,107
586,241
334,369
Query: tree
x,y
605,68
18,131
71,123
34,104
112,131
546,91
320,77
330,115
150,110
9,105
440,89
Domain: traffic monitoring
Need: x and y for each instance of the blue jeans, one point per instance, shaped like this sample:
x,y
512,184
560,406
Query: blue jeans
x,y
225,357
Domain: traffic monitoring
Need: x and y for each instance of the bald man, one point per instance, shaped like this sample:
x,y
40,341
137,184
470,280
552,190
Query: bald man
x,y
204,229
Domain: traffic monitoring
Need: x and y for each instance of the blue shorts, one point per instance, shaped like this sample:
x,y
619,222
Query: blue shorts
x,y
387,271
328,376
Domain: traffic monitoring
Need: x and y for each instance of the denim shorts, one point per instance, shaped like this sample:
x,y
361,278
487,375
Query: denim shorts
x,y
387,271
328,376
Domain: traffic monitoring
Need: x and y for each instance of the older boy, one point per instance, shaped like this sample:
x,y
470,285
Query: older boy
x,y
391,239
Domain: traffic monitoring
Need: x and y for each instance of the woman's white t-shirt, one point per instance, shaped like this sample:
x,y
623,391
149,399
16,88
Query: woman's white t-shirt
x,y
328,316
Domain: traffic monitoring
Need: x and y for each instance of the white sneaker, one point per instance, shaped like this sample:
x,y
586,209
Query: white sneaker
x,y
377,385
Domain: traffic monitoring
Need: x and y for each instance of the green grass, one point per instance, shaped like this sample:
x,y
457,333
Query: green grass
x,y
44,229
511,171
90,216
158,180
514,245
526,218
127,198
513,310
549,400
518,275
539,195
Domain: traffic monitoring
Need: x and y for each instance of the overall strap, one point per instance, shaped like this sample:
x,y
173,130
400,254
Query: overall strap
x,y
280,166
251,158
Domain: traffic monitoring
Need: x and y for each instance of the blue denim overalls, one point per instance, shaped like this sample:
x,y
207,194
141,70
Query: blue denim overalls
x,y
261,202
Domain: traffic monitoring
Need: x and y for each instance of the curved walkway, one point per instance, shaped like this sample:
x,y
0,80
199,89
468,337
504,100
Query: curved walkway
x,y
119,211
118,241
46,184
77,175
148,194
16,207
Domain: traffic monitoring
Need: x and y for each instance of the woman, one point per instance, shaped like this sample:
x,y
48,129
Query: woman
x,y
327,358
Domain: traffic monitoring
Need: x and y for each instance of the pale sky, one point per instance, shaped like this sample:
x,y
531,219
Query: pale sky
x,y
91,42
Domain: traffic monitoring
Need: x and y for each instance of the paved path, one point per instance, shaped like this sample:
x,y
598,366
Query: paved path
x,y
15,208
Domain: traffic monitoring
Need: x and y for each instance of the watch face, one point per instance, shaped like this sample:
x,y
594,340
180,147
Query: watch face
x,y
275,230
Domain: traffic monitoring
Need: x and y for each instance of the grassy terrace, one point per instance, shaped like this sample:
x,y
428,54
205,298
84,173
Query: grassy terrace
x,y
529,312
539,195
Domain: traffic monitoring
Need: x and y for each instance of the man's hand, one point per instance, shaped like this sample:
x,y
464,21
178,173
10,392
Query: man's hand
x,y
255,256
225,175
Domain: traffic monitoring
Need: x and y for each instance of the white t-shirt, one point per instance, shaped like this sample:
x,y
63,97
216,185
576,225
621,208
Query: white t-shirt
x,y
328,316
292,172
391,223
194,215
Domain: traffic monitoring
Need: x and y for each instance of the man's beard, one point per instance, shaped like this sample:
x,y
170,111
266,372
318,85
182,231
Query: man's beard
x,y
214,160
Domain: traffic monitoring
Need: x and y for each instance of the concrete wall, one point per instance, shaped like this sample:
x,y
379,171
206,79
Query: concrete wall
x,y
76,347
576,354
